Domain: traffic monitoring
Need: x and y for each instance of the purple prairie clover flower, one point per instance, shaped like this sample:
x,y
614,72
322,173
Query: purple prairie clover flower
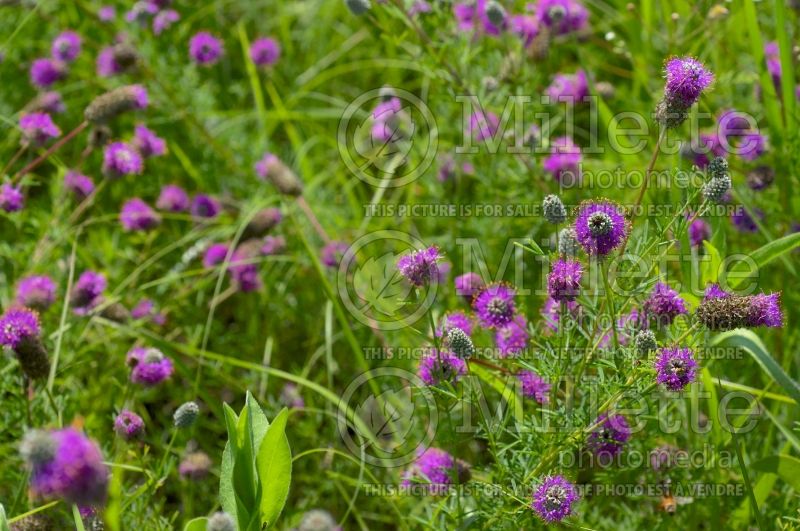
x,y
66,46
50,102
571,88
66,464
78,184
205,206
173,198
534,386
765,310
564,280
148,143
562,16
760,177
714,291
143,308
149,367
526,26
44,72
687,78
419,7
164,19
472,17
38,128
136,215
11,198
675,368
708,147
442,366
265,51
243,272
291,397
494,304
437,470
128,425
195,466
386,121
204,48
564,160
106,13
272,245
483,125
725,311
419,267
732,123
551,312
18,325
263,166
699,231
663,305
333,252
121,159
600,226
467,285
36,291
106,65
512,339
554,498
452,320
141,12
610,435
215,254
744,222
752,146
87,291
442,272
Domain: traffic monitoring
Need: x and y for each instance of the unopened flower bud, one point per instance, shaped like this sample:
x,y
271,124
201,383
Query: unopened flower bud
x,y
460,343
495,13
568,242
716,188
553,209
186,415
37,447
718,167
221,522
115,102
358,7
645,342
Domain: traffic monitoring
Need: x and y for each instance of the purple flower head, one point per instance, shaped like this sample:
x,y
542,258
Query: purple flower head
x,y
468,284
483,125
471,16
136,215
752,146
526,27
74,470
714,291
494,305
244,272
663,305
564,160
743,222
129,425
148,143
204,48
79,185
571,88
386,120
562,16
106,13
291,397
554,498
765,310
66,46
149,367
140,95
699,231
732,123
87,291
195,466
675,368
50,102
333,252
263,166
273,245
419,7
265,51
564,280
419,267
205,206
534,386
512,339
436,470
164,19
610,436
687,78
455,320
121,159
45,72
600,226
17,325
11,198
551,312
443,366
215,254
107,65
37,291
141,12
173,198
706,148
143,308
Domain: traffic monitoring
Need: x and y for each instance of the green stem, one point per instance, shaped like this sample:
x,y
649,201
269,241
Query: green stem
x,y
612,313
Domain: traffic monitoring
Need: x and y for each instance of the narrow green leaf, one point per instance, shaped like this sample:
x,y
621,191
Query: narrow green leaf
x,y
3,519
787,65
789,434
766,254
77,520
770,98
711,266
274,464
197,524
785,467
751,343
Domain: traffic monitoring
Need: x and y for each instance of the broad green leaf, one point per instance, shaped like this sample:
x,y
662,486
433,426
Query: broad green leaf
x,y
197,524
751,343
784,466
3,519
766,254
713,404
710,267
258,420
227,494
274,464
